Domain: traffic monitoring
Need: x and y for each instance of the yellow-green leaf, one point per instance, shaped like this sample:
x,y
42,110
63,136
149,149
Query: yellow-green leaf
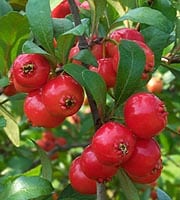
x,y
11,128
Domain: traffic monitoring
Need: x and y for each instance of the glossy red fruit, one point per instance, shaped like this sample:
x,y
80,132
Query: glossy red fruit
x,y
85,5
10,90
60,141
155,85
30,71
79,181
105,69
151,176
62,9
63,96
73,52
93,169
150,62
113,143
37,113
126,33
145,114
144,157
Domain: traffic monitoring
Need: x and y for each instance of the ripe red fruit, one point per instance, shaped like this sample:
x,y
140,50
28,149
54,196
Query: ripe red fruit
x,y
73,52
151,176
79,181
127,34
63,96
10,90
150,62
30,72
62,9
113,143
105,69
37,113
155,85
93,169
145,114
144,157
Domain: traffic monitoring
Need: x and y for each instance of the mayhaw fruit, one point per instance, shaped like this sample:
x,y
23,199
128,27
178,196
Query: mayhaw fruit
x,y
36,112
113,143
144,157
79,181
63,96
145,114
94,169
30,72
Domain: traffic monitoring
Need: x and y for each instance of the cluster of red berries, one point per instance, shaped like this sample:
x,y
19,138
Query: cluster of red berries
x,y
107,54
49,100
48,142
131,146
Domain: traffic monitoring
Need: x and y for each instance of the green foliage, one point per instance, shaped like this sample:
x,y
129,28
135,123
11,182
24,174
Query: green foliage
x,y
130,70
27,171
70,194
11,128
25,188
11,38
41,23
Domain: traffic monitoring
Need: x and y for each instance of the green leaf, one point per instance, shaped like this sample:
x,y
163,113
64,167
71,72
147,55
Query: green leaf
x,y
2,122
149,16
61,26
128,187
26,188
162,195
31,47
14,32
34,172
76,72
38,13
46,164
70,194
95,84
157,40
78,30
4,7
130,70
64,44
165,6
97,11
4,81
86,57
11,129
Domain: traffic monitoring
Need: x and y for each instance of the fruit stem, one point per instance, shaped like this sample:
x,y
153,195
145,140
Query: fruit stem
x,y
77,20
101,191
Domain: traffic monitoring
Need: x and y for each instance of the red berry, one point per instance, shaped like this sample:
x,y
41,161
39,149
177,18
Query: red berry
x,y
79,181
10,90
62,9
93,169
30,72
73,52
105,69
113,143
144,157
155,85
145,114
37,113
63,96
150,62
126,33
151,176
60,141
